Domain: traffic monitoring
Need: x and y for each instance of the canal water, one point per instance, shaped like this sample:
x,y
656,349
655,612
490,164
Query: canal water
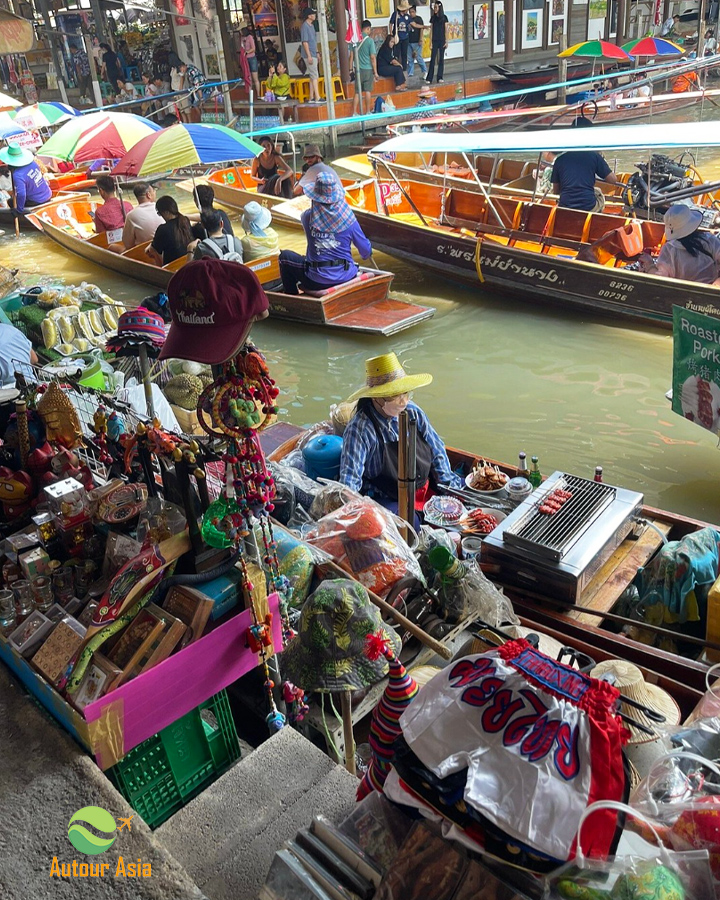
x,y
575,390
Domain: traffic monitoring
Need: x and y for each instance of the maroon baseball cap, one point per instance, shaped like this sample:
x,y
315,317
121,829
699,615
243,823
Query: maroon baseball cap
x,y
213,303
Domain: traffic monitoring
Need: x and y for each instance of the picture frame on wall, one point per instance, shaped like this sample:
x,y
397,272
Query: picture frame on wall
x,y
532,28
557,29
377,9
481,21
456,25
498,26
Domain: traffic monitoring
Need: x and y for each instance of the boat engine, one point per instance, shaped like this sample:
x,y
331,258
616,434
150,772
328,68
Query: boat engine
x,y
666,177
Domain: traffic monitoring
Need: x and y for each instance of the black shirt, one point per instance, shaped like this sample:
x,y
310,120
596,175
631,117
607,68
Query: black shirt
x,y
112,67
385,55
167,243
200,233
415,34
438,28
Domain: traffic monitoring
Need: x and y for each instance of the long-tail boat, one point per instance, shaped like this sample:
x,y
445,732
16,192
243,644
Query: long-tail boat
x,y
363,304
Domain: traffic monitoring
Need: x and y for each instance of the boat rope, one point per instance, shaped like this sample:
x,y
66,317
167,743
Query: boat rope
x,y
478,247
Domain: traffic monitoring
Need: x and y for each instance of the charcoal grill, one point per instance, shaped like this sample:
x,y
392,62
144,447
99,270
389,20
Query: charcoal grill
x,y
557,555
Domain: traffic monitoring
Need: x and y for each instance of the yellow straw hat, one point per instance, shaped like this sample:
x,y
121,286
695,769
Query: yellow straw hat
x,y
385,377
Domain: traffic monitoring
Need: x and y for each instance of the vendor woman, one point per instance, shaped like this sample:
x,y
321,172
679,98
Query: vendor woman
x,y
369,461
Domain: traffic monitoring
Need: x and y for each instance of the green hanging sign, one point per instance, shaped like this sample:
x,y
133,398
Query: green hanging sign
x,y
696,368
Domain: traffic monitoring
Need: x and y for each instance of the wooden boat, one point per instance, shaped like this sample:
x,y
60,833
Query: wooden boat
x,y
362,305
683,677
7,219
544,74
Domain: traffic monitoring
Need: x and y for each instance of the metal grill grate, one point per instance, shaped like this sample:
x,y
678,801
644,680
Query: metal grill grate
x,y
553,535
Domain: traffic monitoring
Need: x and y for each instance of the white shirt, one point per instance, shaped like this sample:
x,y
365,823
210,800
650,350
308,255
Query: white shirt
x,y
14,354
141,224
675,261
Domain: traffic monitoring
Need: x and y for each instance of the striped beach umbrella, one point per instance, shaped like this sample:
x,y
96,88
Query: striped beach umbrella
x,y
652,46
101,135
43,115
602,50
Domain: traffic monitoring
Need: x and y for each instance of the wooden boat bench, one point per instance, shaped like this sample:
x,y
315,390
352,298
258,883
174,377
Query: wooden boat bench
x,y
359,279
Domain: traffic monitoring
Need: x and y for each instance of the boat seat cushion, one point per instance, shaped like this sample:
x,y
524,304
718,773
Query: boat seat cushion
x,y
358,279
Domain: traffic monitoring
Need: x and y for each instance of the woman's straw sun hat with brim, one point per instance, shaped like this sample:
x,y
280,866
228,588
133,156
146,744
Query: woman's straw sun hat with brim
x,y
628,679
14,155
385,377
325,189
680,221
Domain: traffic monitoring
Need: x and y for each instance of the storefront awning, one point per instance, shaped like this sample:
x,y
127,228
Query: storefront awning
x,y
16,35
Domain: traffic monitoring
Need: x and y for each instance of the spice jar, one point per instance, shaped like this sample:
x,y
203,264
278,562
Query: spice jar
x,y
42,589
8,619
24,600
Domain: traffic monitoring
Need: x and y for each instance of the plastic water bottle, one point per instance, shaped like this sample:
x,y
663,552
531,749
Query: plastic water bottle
x,y
459,91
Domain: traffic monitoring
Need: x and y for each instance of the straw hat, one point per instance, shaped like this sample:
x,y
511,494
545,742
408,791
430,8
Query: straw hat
x,y
681,220
385,377
14,155
254,214
630,682
403,6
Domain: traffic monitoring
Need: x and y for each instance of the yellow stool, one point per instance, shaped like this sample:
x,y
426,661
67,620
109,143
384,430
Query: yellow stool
x,y
300,89
337,88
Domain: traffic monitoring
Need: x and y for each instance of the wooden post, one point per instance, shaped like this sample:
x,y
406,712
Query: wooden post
x,y
621,15
147,384
509,30
348,736
324,45
702,12
406,469
342,47
562,71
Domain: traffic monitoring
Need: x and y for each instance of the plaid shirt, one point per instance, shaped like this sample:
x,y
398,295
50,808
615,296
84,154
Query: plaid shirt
x,y
194,76
82,66
362,455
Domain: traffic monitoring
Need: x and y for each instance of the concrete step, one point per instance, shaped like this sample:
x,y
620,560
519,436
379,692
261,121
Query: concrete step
x,y
227,836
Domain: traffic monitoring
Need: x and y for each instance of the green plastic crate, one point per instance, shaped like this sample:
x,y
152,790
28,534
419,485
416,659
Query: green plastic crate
x,y
163,773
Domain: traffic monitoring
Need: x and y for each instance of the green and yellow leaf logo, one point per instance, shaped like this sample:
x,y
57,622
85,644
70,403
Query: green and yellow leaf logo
x,y
85,841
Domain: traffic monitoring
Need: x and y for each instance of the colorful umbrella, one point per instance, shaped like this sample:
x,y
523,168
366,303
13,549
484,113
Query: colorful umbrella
x,y
595,50
353,34
101,135
186,145
8,102
43,115
652,46
8,128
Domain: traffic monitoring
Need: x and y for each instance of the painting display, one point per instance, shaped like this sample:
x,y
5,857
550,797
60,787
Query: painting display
x,y
532,28
481,24
377,9
498,26
456,25
557,28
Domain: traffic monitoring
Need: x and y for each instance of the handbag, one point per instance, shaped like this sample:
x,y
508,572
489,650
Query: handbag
x,y
645,873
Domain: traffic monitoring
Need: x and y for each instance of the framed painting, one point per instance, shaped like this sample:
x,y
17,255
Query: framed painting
x,y
456,25
481,21
377,9
498,26
532,25
557,29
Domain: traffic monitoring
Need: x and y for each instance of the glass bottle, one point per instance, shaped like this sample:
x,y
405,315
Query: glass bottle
x,y
522,469
24,600
535,476
8,619
598,473
10,574
42,589
63,585
449,566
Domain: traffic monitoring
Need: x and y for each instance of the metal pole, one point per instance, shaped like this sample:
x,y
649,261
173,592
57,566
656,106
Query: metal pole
x,y
327,72
56,57
251,113
348,737
358,86
407,442
97,92
147,384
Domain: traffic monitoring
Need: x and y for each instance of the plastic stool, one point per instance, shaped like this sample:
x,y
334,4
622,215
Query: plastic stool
x,y
337,88
302,89
132,73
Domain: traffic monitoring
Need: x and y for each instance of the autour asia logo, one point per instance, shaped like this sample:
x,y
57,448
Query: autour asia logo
x,y
106,831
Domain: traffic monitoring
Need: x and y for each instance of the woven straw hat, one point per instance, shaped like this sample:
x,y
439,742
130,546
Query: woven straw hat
x,y
385,377
630,682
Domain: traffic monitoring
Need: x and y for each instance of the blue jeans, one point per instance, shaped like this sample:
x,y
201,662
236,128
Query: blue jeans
x,y
416,54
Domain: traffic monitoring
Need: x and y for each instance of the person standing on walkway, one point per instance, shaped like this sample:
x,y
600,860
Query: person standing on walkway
x,y
247,45
367,75
417,26
400,27
439,42
82,72
309,53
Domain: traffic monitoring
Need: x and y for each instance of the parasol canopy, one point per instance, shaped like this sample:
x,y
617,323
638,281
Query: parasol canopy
x,y
101,135
652,46
595,50
43,115
8,128
186,145
8,102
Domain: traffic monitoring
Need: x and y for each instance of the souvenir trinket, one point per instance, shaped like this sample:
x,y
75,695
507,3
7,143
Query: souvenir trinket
x,y
60,417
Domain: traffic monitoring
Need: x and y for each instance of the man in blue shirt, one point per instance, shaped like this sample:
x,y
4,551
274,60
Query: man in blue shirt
x,y
331,229
574,176
400,25
29,183
309,53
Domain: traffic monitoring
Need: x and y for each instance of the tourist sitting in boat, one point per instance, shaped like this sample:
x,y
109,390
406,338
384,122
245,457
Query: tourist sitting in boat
x,y
29,185
171,239
272,173
204,197
142,222
314,165
574,175
260,239
687,253
331,229
388,65
6,187
217,244
369,460
16,354
111,215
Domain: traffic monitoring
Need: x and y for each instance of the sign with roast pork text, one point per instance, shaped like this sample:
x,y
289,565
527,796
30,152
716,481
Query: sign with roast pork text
x,y
696,368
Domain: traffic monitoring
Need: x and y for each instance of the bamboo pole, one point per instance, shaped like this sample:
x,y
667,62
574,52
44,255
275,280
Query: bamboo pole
x,y
348,737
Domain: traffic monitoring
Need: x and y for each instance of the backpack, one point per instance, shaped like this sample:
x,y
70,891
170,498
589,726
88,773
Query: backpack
x,y
218,252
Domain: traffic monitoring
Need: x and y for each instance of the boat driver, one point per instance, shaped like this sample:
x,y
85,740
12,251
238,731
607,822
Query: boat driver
x,y
369,461
29,184
574,174
314,165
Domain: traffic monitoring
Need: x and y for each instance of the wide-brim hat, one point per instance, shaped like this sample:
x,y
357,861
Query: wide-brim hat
x,y
328,653
629,680
681,220
212,303
385,377
15,155
254,214
325,189
402,6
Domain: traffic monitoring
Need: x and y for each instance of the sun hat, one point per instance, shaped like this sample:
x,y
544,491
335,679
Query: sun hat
x,y
15,155
325,189
385,377
313,150
402,5
212,304
256,218
328,653
629,680
681,220
135,327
